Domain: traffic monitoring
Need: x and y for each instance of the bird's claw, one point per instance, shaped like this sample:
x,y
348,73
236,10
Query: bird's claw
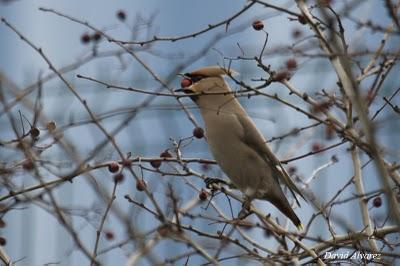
x,y
210,181
246,210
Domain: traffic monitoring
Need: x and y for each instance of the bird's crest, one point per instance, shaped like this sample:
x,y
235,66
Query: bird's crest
x,y
212,71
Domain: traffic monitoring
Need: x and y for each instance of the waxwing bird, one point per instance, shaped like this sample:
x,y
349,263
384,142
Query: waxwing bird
x,y
235,142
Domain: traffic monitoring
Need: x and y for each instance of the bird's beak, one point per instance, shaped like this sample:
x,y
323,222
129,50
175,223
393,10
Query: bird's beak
x,y
186,82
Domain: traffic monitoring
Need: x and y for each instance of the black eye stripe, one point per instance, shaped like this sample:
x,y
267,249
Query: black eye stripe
x,y
187,91
194,78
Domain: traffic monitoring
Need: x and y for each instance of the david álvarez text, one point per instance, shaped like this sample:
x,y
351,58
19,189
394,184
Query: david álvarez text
x,y
351,256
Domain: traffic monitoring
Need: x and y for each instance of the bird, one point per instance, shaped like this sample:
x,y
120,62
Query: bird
x,y
235,142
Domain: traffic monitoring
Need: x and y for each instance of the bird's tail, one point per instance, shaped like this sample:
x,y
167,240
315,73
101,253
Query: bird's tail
x,y
284,206
293,217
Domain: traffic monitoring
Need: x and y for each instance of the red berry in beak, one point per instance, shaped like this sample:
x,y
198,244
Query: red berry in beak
x,y
186,83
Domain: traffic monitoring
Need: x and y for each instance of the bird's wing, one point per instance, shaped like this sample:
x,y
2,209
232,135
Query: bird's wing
x,y
253,138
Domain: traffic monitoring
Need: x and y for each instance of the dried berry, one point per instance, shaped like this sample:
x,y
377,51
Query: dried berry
x,y
118,178
291,64
377,202
205,166
51,126
325,3
156,163
35,132
109,234
186,83
165,154
316,147
281,75
258,25
126,162
85,38
292,170
2,223
28,164
302,19
296,33
329,132
203,195
198,132
163,230
121,15
141,185
3,241
96,37
321,107
113,167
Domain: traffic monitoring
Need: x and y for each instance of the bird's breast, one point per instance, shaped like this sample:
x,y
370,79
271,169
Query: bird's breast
x,y
241,163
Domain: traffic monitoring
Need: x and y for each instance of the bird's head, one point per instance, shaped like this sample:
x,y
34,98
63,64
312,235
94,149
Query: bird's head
x,y
205,80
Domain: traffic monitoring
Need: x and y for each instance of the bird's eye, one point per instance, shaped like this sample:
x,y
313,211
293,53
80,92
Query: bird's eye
x,y
194,78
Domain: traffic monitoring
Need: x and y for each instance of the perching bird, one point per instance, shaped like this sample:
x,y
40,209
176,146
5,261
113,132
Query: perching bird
x,y
235,142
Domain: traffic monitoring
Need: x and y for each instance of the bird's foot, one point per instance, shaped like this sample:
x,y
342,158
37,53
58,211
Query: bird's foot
x,y
246,209
210,181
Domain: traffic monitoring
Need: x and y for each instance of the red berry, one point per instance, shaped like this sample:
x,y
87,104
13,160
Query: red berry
x,y
156,163
258,25
281,75
141,185
109,235
121,15
198,132
28,164
165,154
316,147
291,64
203,195
85,38
113,167
296,33
118,178
186,83
377,202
